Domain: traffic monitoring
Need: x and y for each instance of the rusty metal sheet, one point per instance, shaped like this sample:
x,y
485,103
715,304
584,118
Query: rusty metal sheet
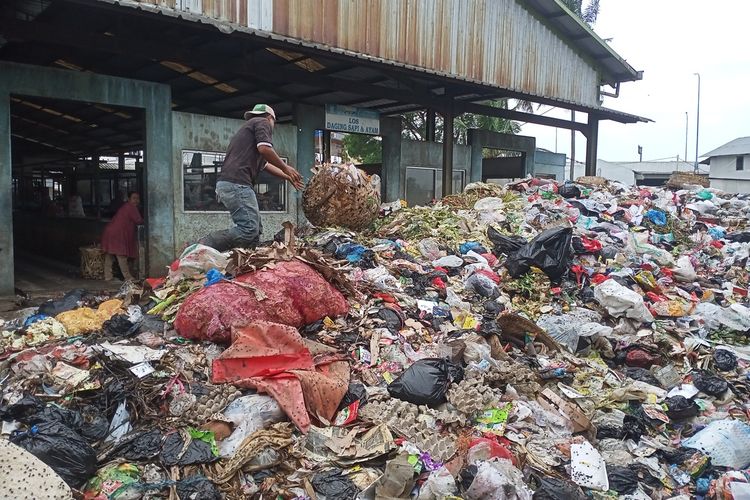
x,y
495,42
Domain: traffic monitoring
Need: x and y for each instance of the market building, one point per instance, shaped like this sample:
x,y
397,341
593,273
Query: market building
x,y
102,97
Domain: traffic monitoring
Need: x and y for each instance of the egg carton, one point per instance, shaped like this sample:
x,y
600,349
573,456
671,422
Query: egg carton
x,y
217,398
473,395
520,376
416,423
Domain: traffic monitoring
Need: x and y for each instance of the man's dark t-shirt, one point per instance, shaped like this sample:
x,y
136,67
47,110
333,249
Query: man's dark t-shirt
x,y
243,162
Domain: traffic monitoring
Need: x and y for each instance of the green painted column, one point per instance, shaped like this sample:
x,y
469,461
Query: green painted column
x,y
307,119
6,197
157,177
391,172
476,144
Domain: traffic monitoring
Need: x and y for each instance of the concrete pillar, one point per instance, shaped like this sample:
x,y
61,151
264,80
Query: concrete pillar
x,y
430,125
448,150
529,161
592,144
391,171
158,172
307,119
476,144
6,197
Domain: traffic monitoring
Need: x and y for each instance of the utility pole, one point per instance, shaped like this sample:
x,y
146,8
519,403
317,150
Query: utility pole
x,y
685,136
640,153
697,121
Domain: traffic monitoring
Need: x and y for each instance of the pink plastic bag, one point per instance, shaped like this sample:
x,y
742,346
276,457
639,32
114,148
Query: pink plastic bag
x,y
291,293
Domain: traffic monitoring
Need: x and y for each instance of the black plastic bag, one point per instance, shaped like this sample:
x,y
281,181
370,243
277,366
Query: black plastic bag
x,y
95,426
426,382
739,237
466,477
633,428
138,447
621,479
119,326
356,392
549,251
725,360
197,452
681,408
609,432
334,485
553,488
197,488
26,407
151,323
642,375
482,286
65,451
569,190
504,244
393,320
713,385
69,301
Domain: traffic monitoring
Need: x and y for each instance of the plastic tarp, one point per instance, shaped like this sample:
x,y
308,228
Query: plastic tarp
x,y
305,378
291,293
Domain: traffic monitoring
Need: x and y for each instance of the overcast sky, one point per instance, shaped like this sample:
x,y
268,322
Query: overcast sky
x,y
669,40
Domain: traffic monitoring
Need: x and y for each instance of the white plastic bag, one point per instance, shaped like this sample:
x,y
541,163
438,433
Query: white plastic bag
x,y
587,467
429,248
727,442
196,260
684,270
498,480
439,485
249,414
620,301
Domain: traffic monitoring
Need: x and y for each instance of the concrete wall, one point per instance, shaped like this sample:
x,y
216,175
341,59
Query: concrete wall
x,y
55,83
430,154
725,176
211,133
549,163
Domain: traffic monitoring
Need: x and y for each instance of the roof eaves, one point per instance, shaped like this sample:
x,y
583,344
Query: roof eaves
x,y
614,68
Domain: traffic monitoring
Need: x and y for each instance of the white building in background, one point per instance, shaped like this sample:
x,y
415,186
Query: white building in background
x,y
642,173
730,166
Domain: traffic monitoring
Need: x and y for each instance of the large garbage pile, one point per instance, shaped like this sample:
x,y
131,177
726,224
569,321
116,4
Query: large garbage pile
x,y
540,340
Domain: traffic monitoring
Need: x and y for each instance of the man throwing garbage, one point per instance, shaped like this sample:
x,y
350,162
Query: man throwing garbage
x,y
250,152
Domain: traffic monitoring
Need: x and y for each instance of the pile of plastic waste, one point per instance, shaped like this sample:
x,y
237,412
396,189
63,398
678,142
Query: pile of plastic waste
x,y
537,340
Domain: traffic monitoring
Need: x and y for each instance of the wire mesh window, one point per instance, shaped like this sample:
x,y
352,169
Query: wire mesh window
x,y
200,170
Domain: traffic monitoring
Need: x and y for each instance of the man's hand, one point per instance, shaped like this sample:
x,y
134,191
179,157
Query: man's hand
x,y
295,178
292,173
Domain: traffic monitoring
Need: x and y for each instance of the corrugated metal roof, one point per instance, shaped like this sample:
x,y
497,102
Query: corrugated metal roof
x,y
614,68
528,67
739,146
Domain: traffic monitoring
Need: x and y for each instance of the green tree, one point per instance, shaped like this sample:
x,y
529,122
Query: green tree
x,y
360,148
368,149
588,13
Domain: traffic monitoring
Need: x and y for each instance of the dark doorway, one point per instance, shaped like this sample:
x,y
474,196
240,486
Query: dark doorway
x,y
73,164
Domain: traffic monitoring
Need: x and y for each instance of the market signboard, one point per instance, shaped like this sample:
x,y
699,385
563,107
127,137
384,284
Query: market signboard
x,y
352,120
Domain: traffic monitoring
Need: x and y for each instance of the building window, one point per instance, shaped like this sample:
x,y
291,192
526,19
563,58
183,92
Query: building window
x,y
426,184
740,163
200,170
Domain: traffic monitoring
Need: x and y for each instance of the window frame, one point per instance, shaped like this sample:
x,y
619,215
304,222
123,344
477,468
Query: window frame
x,y
739,163
435,172
223,155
